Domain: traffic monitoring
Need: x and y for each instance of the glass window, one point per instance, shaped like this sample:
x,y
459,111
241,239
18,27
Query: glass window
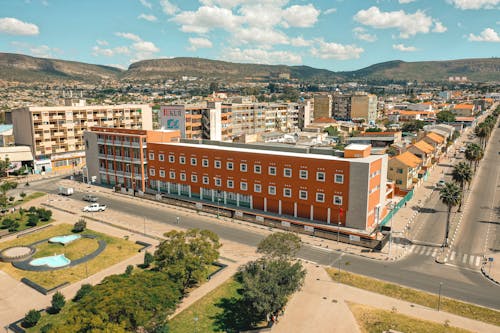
x,y
217,164
303,174
151,156
229,165
243,167
218,182
257,169
194,178
339,179
230,183
257,188
151,172
271,190
172,174
272,171
171,158
162,173
194,161
320,176
182,159
303,195
287,172
204,162
206,180
320,197
183,176
243,186
287,192
337,200
161,157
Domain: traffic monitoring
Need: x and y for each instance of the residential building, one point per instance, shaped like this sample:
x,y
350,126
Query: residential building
x,y
18,156
464,110
364,106
341,108
405,171
185,118
55,134
305,115
425,152
323,106
119,156
435,140
377,139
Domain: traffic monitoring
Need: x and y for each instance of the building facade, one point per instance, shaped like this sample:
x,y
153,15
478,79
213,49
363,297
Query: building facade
x,y
341,108
323,106
364,106
55,134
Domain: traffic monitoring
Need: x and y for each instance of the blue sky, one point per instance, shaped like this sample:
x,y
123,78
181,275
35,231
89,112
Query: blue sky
x,y
335,34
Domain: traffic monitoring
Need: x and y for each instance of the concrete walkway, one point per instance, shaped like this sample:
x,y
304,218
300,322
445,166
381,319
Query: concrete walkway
x,y
321,307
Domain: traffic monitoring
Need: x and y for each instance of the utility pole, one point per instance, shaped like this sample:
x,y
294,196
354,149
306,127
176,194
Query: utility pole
x,y
439,300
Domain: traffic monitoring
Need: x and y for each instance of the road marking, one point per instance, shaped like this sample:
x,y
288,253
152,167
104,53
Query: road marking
x,y
422,250
452,256
429,250
478,260
412,248
434,253
471,260
464,259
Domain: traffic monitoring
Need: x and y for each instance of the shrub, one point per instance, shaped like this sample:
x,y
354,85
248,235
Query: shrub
x,y
80,225
46,328
32,220
31,318
10,224
44,214
14,227
84,290
22,195
11,199
32,210
148,259
58,302
129,270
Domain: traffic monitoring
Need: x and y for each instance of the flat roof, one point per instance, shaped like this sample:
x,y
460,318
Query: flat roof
x,y
86,107
357,146
367,159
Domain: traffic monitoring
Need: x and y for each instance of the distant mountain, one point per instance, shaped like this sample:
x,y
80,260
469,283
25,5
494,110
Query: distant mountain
x,y
23,68
15,67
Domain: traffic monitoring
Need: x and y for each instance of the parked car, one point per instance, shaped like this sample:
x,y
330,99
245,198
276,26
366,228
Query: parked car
x,y
95,207
90,198
462,149
65,190
440,183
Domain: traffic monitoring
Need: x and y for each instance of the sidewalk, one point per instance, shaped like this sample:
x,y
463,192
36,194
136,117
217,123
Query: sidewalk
x,y
321,307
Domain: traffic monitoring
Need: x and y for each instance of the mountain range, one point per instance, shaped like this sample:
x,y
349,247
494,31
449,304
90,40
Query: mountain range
x,y
23,68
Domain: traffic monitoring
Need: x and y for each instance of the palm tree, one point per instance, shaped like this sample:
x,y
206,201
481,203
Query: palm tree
x,y
462,174
451,196
472,152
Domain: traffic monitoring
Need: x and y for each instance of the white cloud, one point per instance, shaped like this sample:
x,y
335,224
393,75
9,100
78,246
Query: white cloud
x,y
120,66
150,18
487,35
329,11
300,42
13,26
475,4
301,16
407,24
168,7
439,27
403,48
145,47
206,19
129,35
101,42
361,34
109,52
261,56
198,43
406,1
331,50
264,38
42,51
146,4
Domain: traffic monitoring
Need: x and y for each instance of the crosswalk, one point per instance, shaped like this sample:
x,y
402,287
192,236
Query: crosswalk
x,y
453,257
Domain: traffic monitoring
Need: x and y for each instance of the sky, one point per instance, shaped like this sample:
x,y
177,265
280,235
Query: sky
x,y
332,34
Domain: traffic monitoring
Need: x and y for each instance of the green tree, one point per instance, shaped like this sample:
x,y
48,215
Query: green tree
x,y
10,225
80,225
283,245
332,131
413,126
267,284
186,256
44,214
391,151
57,303
473,154
129,269
451,196
462,174
373,129
22,195
84,290
445,117
32,220
4,166
31,318
148,259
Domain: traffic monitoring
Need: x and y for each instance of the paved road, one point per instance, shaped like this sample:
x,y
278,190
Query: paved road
x,y
457,283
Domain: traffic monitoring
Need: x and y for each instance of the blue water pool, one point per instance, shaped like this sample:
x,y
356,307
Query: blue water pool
x,y
53,261
64,239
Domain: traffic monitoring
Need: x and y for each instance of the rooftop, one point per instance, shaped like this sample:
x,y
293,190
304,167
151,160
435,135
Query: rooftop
x,y
424,146
435,137
408,159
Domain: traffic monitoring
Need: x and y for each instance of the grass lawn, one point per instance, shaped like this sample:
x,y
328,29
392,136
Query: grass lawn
x,y
372,320
29,197
450,305
116,250
22,220
74,250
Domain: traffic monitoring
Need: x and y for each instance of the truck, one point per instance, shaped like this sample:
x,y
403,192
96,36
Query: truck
x,y
95,207
90,198
65,190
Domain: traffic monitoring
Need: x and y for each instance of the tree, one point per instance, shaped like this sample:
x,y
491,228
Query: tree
x,y
129,269
451,196
332,131
473,154
4,166
462,174
22,195
413,126
148,259
10,225
31,318
79,225
391,151
374,129
57,303
445,117
84,290
267,284
32,220
283,245
44,214
186,256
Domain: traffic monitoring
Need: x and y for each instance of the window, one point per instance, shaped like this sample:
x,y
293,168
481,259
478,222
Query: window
x,y
151,156
320,176
271,190
339,179
172,174
194,178
257,188
194,161
303,174
206,180
229,166
243,186
151,172
230,183
399,181
257,169
337,200
182,159
217,164
161,157
171,158
320,197
204,163
243,167
183,176
272,171
218,182
303,195
162,173
287,172
287,192
400,170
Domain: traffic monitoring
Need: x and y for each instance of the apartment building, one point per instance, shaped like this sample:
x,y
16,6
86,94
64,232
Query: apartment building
x,y
341,107
306,184
364,106
119,156
404,170
185,118
464,110
55,134
323,106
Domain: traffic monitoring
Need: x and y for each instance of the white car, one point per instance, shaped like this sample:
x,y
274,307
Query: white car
x,y
440,183
95,207
462,149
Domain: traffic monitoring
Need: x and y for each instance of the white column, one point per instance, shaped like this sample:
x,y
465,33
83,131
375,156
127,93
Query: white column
x,y
312,212
189,191
279,207
213,195
329,213
265,204
225,198
251,202
201,193
237,199
294,209
178,189
168,187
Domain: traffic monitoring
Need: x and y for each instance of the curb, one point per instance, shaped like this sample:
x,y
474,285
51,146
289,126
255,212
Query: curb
x,y
489,277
